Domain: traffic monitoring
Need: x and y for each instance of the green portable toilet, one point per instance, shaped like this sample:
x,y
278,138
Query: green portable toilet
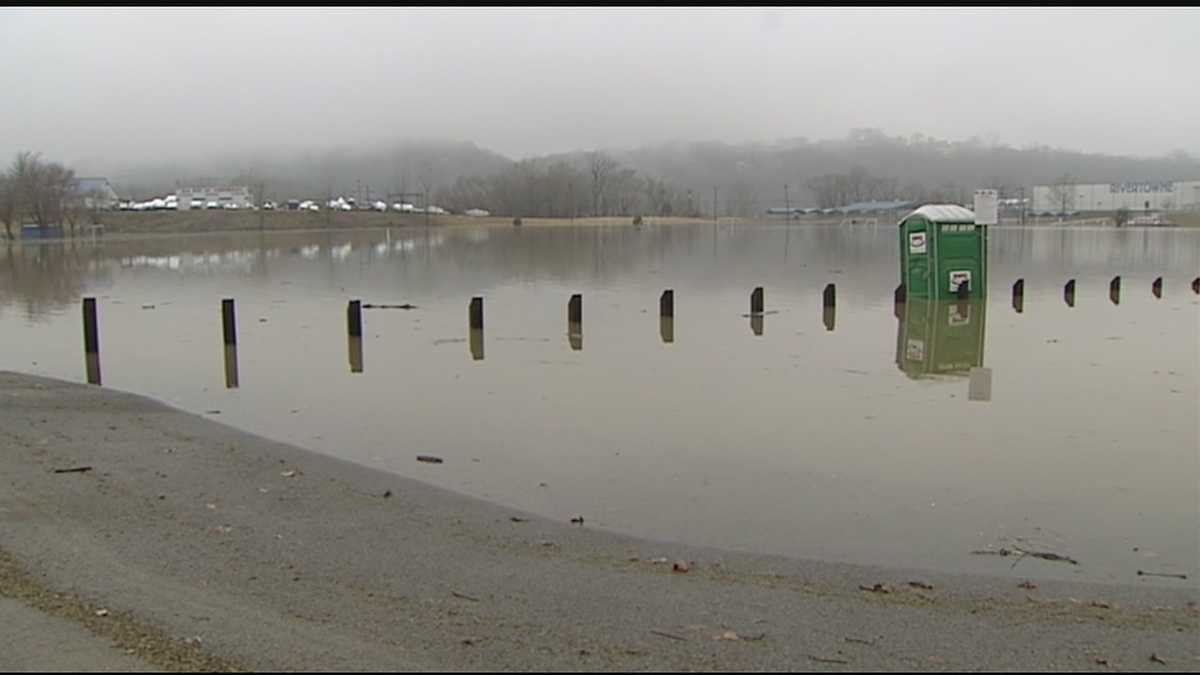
x,y
941,337
940,248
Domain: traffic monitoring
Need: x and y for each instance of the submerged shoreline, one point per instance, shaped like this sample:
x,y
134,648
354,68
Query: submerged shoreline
x,y
278,558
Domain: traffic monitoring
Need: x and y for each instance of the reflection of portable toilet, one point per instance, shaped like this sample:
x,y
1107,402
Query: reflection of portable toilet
x,y
941,247
940,337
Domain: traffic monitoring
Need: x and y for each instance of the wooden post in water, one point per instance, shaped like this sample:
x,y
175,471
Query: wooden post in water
x,y
1018,296
1156,288
354,322
899,298
829,306
475,313
963,292
1196,285
575,321
354,326
666,303
666,316
756,301
1114,290
229,322
475,327
91,341
1069,293
229,330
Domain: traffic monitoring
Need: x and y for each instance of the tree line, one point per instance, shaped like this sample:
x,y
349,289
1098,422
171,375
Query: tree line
x,y
42,193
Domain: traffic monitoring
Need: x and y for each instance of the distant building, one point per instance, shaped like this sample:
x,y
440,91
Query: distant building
x,y
97,193
1143,196
222,197
878,206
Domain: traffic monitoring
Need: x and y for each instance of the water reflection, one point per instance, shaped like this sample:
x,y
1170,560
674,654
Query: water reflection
x,y
941,337
231,366
356,353
678,460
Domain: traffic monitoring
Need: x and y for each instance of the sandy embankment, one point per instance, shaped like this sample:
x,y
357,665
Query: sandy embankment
x,y
213,548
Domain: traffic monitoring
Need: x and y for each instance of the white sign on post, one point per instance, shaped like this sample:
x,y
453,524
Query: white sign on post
x,y
987,207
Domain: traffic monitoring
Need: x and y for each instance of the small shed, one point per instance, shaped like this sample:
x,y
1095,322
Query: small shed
x,y
941,249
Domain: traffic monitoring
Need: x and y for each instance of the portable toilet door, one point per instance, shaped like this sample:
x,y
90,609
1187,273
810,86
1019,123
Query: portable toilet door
x,y
915,255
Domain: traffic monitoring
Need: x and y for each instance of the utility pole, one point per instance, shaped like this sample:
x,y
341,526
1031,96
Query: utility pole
x,y
787,203
1022,205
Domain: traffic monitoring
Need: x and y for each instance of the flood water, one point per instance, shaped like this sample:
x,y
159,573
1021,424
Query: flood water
x,y
849,435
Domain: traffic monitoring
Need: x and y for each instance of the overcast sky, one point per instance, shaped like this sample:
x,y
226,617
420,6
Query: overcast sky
x,y
86,83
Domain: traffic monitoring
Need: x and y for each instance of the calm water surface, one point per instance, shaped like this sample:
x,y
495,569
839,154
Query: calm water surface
x,y
865,443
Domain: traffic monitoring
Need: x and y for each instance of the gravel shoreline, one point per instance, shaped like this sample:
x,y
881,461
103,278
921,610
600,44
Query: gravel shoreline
x,y
215,549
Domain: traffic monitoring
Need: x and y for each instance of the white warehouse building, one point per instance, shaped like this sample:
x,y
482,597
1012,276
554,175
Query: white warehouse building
x,y
1145,196
223,197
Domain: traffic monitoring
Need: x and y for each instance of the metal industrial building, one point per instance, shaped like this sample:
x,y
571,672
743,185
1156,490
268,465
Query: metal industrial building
x,y
1144,196
221,197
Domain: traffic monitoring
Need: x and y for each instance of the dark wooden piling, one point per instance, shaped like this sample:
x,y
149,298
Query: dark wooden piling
x,y
1018,296
666,303
899,297
575,322
1156,288
575,309
756,324
229,321
963,292
756,301
1069,293
475,327
1114,290
828,316
475,314
354,322
829,296
1196,285
91,341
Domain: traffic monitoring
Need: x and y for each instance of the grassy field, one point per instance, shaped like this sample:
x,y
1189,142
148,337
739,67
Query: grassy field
x,y
160,222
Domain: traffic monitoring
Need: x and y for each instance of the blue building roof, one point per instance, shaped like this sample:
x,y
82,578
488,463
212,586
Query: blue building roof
x,y
866,207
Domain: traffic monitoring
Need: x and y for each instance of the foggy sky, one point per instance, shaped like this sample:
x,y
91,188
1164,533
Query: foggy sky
x,y
93,84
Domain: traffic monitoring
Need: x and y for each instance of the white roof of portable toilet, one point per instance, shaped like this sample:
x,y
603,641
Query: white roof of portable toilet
x,y
943,213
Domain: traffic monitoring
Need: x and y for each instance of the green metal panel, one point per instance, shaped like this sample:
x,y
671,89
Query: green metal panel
x,y
939,337
960,257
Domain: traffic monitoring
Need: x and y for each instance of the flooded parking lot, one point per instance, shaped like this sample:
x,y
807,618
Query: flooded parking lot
x,y
864,432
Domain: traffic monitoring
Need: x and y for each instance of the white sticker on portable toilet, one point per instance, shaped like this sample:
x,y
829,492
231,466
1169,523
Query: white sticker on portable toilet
x,y
916,242
987,207
958,278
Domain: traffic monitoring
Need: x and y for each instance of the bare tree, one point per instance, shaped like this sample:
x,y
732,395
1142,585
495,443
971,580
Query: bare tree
x,y
600,168
43,191
1062,192
8,204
